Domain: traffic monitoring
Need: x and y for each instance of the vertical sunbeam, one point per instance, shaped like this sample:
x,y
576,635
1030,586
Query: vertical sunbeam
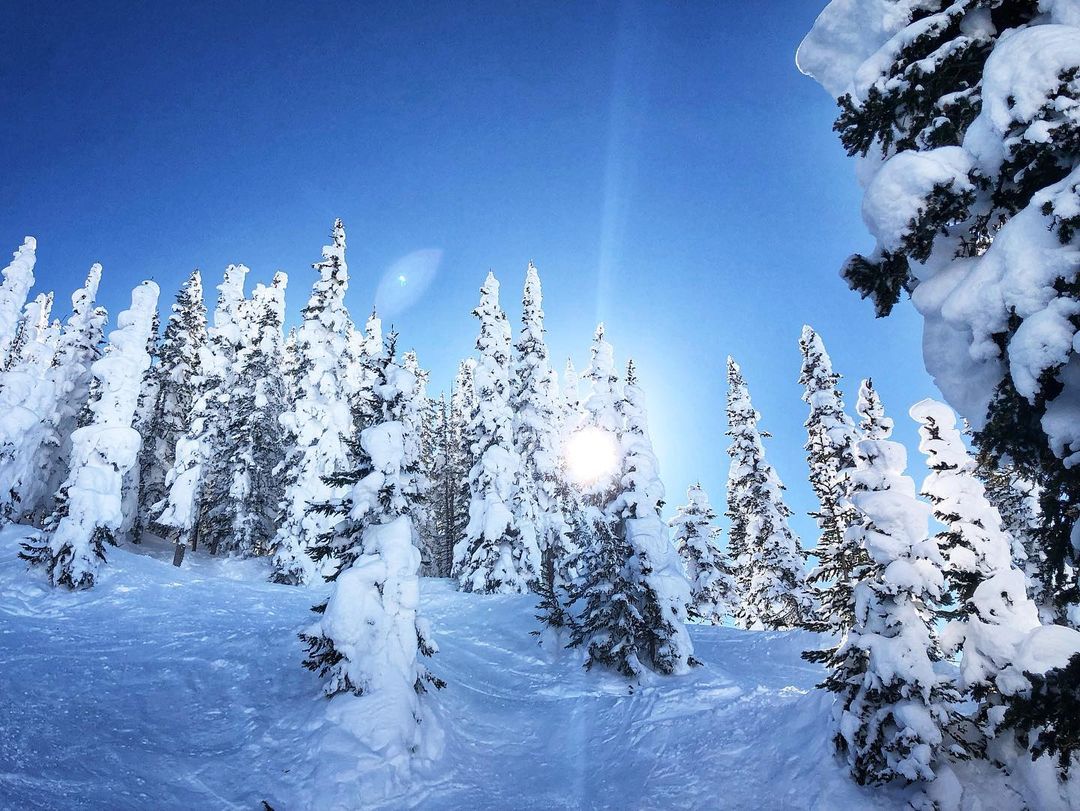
x,y
628,105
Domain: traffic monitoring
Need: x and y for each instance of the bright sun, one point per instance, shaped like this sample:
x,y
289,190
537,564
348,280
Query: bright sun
x,y
591,455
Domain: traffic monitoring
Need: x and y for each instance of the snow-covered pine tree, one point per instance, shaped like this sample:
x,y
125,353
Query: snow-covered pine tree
x,y
217,519
290,364
79,346
33,329
494,556
873,423
712,581
765,551
27,412
665,590
893,710
177,380
433,465
604,600
18,279
196,482
420,428
571,396
254,442
1015,500
131,529
88,510
628,603
370,638
454,479
830,457
320,421
537,508
992,614
966,119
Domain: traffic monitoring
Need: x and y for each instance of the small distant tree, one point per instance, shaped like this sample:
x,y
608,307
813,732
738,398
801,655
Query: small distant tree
x,y
768,560
712,582
494,556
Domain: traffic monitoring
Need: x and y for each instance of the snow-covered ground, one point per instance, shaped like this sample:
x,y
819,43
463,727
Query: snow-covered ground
x,y
172,688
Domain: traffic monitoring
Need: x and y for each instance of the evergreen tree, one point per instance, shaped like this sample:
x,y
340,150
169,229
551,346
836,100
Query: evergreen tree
x,y
935,105
992,614
830,457
177,380
28,402
628,604
459,461
18,279
70,375
571,396
493,556
712,582
320,421
665,590
873,424
134,523
605,600
893,711
370,637
1016,500
438,502
290,364
254,442
197,482
537,507
421,429
768,561
89,507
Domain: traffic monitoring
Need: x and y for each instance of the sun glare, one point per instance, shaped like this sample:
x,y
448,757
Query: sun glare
x,y
591,455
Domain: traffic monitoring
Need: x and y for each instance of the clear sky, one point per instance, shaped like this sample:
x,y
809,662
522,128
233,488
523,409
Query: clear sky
x,y
664,165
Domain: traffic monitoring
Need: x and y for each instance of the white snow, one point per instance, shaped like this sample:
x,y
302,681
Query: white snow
x,y
187,694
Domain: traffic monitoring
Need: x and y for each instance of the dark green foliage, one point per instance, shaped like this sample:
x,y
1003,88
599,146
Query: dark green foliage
x,y
608,620
1048,719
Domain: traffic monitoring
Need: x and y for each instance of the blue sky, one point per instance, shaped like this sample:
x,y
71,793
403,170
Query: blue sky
x,y
664,164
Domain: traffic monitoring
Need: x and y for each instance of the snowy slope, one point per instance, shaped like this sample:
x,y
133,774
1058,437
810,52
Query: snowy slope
x,y
175,688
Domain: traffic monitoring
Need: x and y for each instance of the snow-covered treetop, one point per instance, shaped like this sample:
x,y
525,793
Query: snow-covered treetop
x,y
958,494
39,335
571,392
696,512
228,321
18,279
739,408
494,338
373,338
643,492
266,310
327,302
81,334
874,424
122,367
491,376
601,406
819,380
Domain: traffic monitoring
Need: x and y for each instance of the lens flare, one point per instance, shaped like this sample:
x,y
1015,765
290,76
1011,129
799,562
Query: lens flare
x,y
591,454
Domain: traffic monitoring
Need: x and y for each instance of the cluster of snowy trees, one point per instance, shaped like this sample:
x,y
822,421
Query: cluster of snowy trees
x,y
964,117
321,450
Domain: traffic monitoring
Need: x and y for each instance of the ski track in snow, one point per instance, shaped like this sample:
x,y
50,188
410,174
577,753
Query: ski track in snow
x,y
171,688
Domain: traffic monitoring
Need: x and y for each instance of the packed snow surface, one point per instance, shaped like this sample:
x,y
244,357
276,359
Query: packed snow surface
x,y
172,688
